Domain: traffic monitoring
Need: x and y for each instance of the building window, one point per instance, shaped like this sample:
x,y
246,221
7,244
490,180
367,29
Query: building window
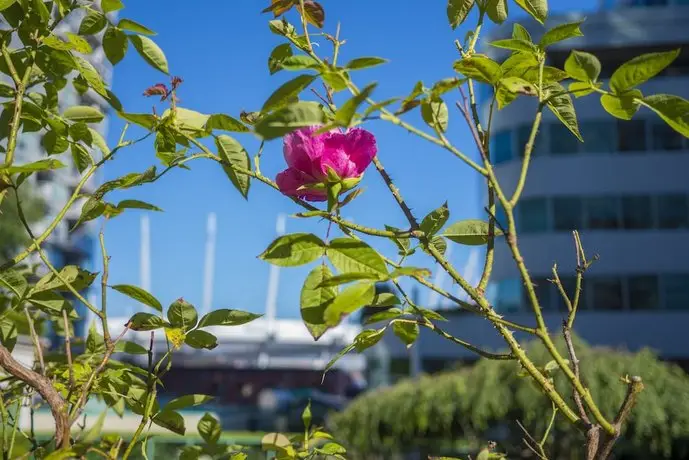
x,y
602,213
599,136
567,214
637,212
643,292
508,297
606,293
676,291
673,211
523,133
631,135
533,215
501,147
664,137
562,141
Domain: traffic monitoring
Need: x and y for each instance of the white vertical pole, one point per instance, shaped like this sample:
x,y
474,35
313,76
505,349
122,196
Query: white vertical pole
x,y
209,265
273,281
145,260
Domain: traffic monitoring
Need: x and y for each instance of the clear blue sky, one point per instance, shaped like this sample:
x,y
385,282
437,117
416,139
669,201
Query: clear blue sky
x,y
221,53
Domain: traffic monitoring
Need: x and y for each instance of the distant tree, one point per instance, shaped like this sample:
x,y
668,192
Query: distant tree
x,y
12,232
482,402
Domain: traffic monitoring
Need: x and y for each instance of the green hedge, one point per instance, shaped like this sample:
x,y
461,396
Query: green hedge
x,y
484,401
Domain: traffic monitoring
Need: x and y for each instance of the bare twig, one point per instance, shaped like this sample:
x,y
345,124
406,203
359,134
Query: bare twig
x,y
38,347
634,387
68,348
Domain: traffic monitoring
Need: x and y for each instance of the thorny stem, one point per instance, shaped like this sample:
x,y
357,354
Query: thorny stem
x,y
305,25
35,340
150,385
104,290
634,387
575,365
68,348
20,85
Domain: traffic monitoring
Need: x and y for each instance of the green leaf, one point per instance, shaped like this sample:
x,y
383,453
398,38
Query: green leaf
x,y
433,222
443,86
510,88
294,250
515,44
83,113
367,338
201,340
406,332
223,122
497,10
131,348
582,66
350,255
364,63
640,69
40,165
80,132
146,322
227,317
287,92
136,204
111,5
146,120
4,4
410,271
54,143
538,9
79,44
235,156
561,32
170,420
209,429
439,243
672,109
346,112
315,298
139,294
78,278
115,44
385,299
81,157
128,24
336,79
289,118
562,107
581,88
92,23
91,75
622,106
299,62
279,54
390,313
351,277
93,434
339,355
182,314
149,51
457,11
434,112
348,301
187,401
470,232
520,32
479,67
332,449
14,281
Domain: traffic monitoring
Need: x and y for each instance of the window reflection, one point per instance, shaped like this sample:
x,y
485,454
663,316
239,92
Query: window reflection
x,y
643,292
533,215
602,213
508,295
501,147
523,133
664,137
631,135
562,141
676,291
599,136
673,211
637,212
606,293
567,213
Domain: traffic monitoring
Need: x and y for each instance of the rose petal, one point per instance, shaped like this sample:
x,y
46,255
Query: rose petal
x,y
336,156
291,179
361,147
303,151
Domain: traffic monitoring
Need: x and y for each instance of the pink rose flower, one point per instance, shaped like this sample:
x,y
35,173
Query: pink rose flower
x,y
309,157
